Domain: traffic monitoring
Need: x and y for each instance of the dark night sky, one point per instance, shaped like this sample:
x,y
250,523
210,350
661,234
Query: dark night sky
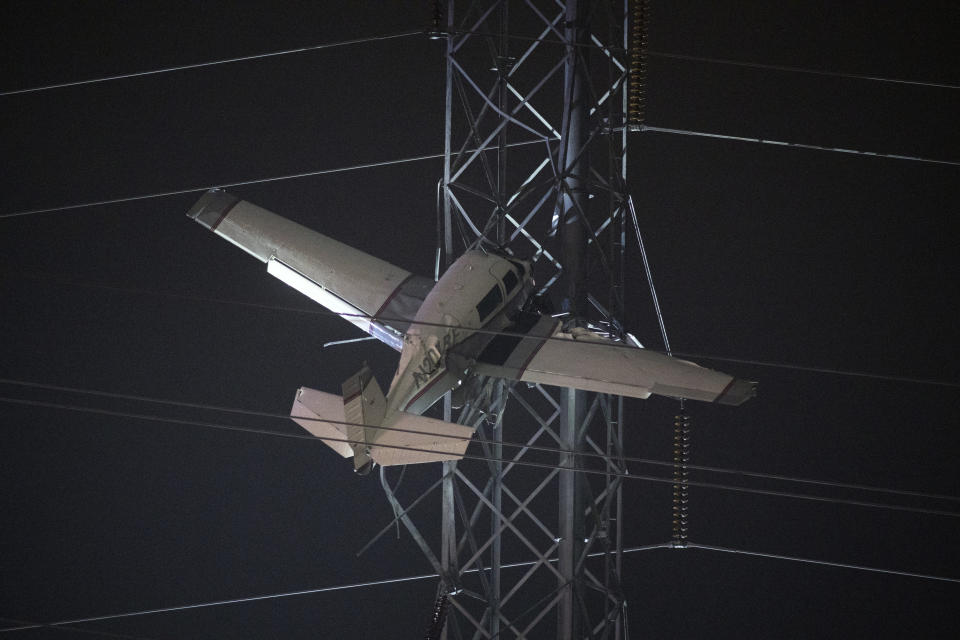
x,y
759,252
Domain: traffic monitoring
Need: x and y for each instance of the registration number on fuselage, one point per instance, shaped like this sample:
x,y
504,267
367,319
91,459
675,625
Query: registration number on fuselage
x,y
434,356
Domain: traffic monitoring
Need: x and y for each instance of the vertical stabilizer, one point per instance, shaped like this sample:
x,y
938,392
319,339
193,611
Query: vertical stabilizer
x,y
364,405
322,415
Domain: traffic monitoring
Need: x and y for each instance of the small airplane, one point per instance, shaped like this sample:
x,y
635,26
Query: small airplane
x,y
476,320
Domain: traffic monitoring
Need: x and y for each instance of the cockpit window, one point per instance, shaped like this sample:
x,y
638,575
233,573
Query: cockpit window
x,y
489,303
510,281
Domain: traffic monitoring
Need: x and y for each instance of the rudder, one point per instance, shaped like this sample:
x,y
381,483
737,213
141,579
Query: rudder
x,y
364,406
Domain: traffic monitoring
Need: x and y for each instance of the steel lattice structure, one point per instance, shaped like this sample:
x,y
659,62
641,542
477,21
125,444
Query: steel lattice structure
x,y
535,164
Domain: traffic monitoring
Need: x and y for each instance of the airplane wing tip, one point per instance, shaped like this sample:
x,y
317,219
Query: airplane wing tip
x,y
212,207
737,392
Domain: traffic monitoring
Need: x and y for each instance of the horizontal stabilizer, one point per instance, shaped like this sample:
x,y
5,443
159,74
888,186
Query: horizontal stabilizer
x,y
410,439
402,438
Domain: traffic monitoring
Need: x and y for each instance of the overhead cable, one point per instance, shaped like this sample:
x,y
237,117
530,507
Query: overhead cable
x,y
626,459
182,67
292,176
427,576
468,456
798,145
722,61
302,592
404,34
434,156
217,603
830,370
841,565
72,281
781,67
29,624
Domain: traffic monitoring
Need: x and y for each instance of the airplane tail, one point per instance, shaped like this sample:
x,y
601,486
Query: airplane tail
x,y
364,407
411,439
357,424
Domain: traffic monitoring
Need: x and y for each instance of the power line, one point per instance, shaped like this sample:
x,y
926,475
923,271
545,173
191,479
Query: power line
x,y
72,281
829,370
292,176
29,624
427,576
435,156
558,450
423,157
302,592
217,603
842,565
256,56
798,145
404,34
825,483
714,60
781,67
468,456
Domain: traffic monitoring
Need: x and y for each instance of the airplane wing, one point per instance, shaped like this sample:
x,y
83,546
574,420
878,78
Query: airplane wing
x,y
342,279
584,360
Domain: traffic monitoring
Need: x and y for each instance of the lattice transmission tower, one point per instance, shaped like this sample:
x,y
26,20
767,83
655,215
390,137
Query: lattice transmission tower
x,y
538,106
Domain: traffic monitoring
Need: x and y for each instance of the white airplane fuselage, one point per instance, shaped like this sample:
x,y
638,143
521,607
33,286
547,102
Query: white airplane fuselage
x,y
479,291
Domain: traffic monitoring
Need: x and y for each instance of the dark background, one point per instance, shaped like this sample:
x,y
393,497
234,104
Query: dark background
x,y
759,252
